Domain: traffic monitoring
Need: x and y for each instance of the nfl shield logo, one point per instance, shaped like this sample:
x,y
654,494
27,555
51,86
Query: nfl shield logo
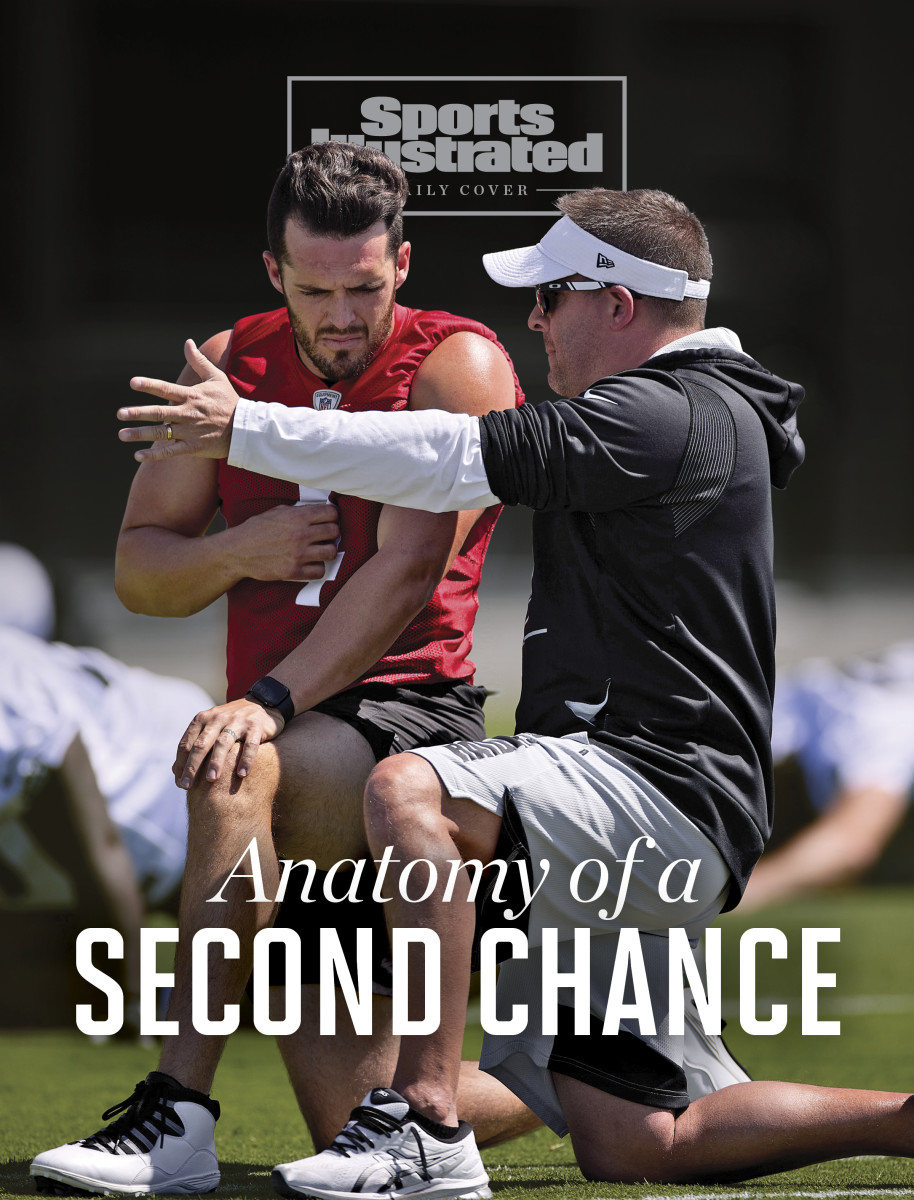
x,y
325,398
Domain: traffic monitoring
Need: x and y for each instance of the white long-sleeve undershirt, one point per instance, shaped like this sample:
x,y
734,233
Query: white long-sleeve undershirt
x,y
428,459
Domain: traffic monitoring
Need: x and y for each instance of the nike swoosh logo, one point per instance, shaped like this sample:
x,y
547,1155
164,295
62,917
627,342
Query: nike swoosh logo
x,y
586,712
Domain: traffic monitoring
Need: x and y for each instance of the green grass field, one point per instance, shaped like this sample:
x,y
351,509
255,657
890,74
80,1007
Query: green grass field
x,y
55,1085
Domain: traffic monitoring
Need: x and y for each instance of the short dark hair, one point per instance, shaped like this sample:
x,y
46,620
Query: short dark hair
x,y
337,189
653,225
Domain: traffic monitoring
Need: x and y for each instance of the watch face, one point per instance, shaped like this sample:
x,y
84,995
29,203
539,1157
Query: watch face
x,y
269,692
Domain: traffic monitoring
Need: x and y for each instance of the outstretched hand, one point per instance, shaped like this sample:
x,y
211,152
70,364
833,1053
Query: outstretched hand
x,y
196,420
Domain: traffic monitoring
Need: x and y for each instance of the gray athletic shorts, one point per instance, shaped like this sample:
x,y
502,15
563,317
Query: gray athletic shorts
x,y
568,802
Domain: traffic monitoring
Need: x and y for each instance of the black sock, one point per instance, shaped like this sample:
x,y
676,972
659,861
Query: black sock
x,y
444,1133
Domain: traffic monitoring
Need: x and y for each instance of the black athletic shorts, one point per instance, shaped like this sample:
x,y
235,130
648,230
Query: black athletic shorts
x,y
391,719
394,718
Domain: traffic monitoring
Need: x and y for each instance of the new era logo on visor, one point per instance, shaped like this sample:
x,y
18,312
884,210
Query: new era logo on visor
x,y
325,398
604,263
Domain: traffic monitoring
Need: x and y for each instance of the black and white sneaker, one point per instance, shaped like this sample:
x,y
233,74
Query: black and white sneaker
x,y
161,1141
708,1064
384,1153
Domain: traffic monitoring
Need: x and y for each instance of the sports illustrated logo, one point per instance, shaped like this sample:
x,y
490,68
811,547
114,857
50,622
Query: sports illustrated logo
x,y
326,398
474,146
603,261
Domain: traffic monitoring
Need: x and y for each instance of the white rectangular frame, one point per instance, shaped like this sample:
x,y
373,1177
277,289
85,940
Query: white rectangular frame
x,y
549,212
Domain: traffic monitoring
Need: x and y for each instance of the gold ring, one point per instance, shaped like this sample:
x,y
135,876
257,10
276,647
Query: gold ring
x,y
231,731
168,433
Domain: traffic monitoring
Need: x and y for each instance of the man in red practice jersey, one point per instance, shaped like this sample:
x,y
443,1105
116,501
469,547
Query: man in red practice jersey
x,y
348,633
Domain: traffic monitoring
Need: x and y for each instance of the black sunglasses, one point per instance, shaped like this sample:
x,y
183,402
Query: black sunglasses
x,y
565,285
568,285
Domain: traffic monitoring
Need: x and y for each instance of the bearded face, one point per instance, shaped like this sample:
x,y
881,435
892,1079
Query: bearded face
x,y
340,294
334,353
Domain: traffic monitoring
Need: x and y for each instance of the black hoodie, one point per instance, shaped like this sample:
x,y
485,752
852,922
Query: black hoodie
x,y
651,621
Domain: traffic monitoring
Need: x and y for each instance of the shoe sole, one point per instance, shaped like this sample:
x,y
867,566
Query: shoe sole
x,y
61,1184
442,1191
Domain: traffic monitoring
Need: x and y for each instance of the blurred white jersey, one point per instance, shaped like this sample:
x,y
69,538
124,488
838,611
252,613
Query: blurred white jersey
x,y
850,725
129,720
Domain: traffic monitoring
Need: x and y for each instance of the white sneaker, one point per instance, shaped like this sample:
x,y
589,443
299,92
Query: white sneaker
x,y
708,1064
383,1153
162,1142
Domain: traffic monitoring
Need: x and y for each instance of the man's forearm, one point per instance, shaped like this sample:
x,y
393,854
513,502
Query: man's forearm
x,y
161,573
366,616
428,460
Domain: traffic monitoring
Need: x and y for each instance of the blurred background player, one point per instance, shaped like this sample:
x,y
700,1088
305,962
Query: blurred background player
x,y
92,825
849,728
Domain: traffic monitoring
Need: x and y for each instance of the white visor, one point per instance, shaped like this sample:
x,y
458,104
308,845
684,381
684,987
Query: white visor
x,y
569,250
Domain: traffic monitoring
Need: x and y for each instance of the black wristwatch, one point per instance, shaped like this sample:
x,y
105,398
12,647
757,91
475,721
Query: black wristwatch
x,y
270,693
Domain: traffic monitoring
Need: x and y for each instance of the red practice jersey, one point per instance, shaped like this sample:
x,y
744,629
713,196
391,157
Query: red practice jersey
x,y
266,621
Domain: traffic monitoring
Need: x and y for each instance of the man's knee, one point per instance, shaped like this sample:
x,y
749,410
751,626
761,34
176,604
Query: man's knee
x,y
231,796
607,1158
617,1140
403,794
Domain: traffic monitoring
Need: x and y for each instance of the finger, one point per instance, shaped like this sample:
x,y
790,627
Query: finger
x,y
149,412
305,572
324,532
174,393
222,748
324,551
317,512
248,754
164,449
149,433
188,737
197,360
199,749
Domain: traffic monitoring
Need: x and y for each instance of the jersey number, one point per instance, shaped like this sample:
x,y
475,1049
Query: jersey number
x,y
310,594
